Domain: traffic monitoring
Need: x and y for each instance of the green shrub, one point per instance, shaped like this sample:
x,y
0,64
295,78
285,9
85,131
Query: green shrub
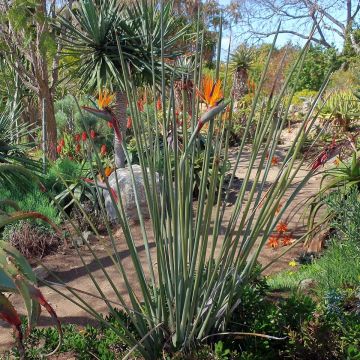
x,y
301,95
339,266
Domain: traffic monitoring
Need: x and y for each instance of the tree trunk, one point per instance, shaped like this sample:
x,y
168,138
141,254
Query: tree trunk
x,y
51,130
240,87
120,113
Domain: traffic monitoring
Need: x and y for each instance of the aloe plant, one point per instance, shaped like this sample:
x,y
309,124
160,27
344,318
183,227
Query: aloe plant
x,y
343,107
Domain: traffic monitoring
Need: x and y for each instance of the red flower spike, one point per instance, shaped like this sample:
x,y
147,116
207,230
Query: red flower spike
x,y
59,149
92,134
129,122
77,148
62,142
103,150
84,136
140,105
110,124
158,105
77,137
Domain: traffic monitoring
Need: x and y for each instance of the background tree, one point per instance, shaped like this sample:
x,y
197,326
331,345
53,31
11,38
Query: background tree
x,y
241,61
330,17
28,44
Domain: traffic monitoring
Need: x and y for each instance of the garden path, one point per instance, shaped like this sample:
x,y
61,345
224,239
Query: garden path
x,y
69,268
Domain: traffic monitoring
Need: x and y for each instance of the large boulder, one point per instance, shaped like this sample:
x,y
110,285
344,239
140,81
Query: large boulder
x,y
126,188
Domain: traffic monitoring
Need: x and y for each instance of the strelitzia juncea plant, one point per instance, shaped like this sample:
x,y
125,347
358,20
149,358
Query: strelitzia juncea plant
x,y
193,276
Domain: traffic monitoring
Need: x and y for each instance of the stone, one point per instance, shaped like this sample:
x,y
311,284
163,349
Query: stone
x,y
41,273
125,186
78,241
306,285
89,236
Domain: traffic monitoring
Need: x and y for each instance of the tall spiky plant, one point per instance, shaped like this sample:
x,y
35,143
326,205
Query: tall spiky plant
x,y
241,61
189,284
90,37
14,150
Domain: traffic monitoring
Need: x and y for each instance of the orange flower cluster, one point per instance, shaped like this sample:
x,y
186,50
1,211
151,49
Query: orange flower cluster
x,y
274,160
281,237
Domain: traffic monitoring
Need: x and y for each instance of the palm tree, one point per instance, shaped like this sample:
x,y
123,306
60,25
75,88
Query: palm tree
x,y
91,37
241,61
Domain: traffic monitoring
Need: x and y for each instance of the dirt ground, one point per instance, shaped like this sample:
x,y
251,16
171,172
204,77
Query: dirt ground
x,y
68,266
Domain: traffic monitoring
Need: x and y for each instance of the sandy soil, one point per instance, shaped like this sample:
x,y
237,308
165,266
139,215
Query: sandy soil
x,y
68,266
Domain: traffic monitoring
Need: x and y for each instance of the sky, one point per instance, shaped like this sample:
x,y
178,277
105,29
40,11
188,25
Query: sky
x,y
283,39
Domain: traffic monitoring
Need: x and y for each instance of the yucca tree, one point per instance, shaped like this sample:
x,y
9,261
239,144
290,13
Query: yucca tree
x,y
95,31
241,61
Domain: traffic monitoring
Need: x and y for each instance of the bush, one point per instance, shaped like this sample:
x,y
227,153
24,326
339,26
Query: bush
x,y
302,95
32,240
33,200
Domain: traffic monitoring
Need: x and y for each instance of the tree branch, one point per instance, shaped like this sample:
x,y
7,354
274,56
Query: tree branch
x,y
292,32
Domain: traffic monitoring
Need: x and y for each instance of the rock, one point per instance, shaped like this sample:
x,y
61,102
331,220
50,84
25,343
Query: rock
x,y
89,236
127,194
41,273
78,241
306,285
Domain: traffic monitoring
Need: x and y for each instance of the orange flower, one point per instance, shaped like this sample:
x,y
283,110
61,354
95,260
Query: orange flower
x,y
274,160
273,242
278,208
281,227
211,93
337,162
287,240
105,99
108,170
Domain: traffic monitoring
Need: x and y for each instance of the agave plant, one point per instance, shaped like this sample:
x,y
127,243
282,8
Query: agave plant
x,y
192,280
16,276
91,37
